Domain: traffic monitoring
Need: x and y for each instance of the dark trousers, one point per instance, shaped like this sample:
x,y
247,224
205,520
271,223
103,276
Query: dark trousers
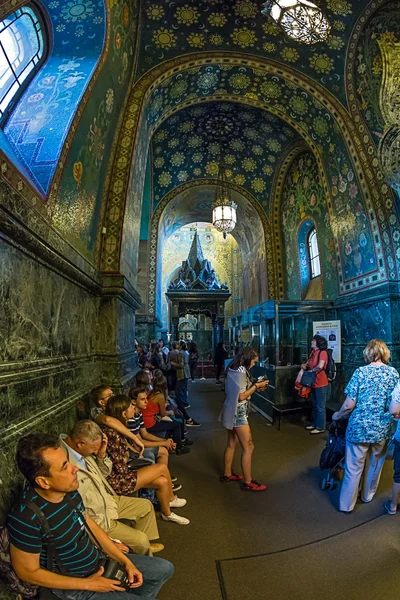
x,y
181,396
219,368
171,427
171,380
192,367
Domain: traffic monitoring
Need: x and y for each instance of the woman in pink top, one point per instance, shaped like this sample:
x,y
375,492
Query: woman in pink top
x,y
317,362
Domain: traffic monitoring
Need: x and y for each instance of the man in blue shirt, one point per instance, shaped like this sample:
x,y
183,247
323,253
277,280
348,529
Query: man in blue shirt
x,y
53,485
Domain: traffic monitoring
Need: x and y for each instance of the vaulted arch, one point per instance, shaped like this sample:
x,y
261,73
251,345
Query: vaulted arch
x,y
345,140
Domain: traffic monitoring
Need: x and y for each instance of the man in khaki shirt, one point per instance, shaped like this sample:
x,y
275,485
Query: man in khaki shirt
x,y
86,448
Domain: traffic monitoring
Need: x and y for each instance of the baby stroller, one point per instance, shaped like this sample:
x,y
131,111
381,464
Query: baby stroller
x,y
332,457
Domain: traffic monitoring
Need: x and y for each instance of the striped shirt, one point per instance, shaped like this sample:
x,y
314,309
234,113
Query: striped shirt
x,y
77,552
136,423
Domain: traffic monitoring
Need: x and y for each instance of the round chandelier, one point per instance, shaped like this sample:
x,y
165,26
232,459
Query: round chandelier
x,y
224,209
301,20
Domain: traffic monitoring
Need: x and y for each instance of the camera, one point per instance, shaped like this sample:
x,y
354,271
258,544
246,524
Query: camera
x,y
113,570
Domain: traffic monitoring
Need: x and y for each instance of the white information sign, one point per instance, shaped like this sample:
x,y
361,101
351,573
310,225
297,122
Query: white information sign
x,y
330,330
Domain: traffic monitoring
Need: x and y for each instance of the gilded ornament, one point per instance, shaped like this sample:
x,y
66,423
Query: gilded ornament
x,y
187,15
339,7
243,37
217,20
164,38
290,54
155,12
77,173
245,9
321,63
216,39
196,40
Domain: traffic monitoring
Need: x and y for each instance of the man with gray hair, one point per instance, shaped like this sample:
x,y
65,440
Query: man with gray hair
x,y
86,448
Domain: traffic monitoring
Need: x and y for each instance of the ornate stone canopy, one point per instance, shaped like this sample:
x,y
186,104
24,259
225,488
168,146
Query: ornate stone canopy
x,y
197,290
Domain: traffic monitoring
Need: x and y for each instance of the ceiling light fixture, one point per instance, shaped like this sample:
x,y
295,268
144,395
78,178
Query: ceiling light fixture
x,y
301,20
224,209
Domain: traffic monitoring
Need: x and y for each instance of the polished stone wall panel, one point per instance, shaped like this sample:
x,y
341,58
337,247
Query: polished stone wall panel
x,y
41,313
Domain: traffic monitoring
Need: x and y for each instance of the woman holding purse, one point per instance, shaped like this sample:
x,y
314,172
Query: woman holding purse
x,y
316,363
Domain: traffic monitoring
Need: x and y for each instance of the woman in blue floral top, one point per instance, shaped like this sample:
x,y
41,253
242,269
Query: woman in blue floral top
x,y
368,396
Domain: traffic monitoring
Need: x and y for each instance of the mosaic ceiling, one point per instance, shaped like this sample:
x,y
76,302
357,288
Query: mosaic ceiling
x,y
189,144
185,26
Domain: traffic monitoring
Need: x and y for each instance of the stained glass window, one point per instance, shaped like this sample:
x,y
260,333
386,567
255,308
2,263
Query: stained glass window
x,y
22,52
314,254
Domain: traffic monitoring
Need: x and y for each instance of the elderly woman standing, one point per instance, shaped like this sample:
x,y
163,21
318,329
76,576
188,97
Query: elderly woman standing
x,y
234,417
368,396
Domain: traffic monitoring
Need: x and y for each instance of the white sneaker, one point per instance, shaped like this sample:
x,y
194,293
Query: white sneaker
x,y
178,502
176,519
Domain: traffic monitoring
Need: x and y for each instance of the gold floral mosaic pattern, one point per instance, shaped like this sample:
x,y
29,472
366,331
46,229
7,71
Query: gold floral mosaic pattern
x,y
183,26
189,144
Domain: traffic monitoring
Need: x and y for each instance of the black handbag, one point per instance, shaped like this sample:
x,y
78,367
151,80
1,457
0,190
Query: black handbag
x,y
308,378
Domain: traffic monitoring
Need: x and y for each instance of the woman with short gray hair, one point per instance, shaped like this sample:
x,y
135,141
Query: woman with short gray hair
x,y
368,396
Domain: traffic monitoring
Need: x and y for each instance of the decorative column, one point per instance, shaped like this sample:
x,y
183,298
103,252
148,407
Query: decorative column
x,y
221,323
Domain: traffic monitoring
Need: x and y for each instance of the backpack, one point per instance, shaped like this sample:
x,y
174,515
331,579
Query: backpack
x,y
330,368
7,574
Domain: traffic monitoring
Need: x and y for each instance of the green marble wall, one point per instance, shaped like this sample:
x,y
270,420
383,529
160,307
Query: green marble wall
x,y
64,328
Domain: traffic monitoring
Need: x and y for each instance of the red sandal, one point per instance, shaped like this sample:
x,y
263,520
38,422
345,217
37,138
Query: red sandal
x,y
233,477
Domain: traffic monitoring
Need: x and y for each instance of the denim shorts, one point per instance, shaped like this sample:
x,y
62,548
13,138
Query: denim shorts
x,y
242,414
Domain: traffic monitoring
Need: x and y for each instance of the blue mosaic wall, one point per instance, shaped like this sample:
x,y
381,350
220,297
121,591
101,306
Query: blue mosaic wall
x,y
37,127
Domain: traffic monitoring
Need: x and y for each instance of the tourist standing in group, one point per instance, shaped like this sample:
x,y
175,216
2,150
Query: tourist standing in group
x,y
164,351
317,362
239,388
368,396
172,361
155,356
193,359
181,365
219,360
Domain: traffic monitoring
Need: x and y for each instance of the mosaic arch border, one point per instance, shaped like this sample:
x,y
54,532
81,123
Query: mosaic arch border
x,y
305,143
155,222
116,196
276,196
46,203
382,190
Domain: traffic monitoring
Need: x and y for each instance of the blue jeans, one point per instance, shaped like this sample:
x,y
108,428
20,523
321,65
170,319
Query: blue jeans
x,y
319,401
181,396
155,571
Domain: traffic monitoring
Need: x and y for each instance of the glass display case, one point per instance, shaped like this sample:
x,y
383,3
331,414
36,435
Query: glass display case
x,y
281,332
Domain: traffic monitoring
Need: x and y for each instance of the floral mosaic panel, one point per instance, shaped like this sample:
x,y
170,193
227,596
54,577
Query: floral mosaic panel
x,y
38,125
303,198
189,144
77,213
187,26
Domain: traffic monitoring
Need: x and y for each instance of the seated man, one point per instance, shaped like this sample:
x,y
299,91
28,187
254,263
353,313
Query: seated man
x,y
86,449
53,485
99,396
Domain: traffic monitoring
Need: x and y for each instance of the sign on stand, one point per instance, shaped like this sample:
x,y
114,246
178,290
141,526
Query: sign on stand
x,y
330,330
